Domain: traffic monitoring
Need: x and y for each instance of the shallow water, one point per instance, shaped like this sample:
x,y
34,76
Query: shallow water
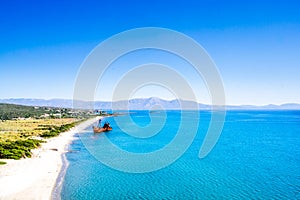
x,y
256,157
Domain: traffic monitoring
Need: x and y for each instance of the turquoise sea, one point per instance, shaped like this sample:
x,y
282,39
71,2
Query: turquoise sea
x,y
256,157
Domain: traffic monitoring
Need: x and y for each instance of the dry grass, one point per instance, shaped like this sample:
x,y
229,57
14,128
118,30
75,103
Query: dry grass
x,y
18,129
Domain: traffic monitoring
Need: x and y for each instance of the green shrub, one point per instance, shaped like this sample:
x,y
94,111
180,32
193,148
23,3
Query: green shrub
x,y
56,130
2,163
18,149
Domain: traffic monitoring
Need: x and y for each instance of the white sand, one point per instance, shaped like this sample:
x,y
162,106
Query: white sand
x,y
35,178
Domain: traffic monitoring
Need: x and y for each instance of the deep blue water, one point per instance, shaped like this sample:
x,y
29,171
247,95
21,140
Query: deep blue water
x,y
256,157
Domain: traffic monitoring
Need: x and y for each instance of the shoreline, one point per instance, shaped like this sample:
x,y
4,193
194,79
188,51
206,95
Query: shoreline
x,y
56,190
39,177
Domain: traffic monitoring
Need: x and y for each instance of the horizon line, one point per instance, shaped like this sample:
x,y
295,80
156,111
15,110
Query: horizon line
x,y
107,101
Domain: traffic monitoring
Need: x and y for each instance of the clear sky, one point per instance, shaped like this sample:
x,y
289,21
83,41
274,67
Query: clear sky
x,y
255,44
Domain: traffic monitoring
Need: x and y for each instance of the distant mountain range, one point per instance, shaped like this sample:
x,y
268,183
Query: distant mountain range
x,y
141,104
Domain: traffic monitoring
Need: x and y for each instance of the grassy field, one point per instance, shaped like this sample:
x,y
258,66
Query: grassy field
x,y
22,129
18,137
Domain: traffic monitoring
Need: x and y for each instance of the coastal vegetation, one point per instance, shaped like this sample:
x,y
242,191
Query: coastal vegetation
x,y
23,128
18,149
19,137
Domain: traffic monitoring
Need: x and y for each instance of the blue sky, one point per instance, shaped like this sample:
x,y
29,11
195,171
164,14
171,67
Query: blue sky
x,y
255,44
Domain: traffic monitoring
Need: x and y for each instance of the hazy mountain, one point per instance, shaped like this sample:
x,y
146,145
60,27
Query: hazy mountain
x,y
62,103
289,106
141,104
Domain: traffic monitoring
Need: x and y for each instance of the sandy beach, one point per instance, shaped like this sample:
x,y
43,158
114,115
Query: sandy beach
x,y
35,178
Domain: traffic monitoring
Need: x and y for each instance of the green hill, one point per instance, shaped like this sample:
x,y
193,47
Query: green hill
x,y
11,111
